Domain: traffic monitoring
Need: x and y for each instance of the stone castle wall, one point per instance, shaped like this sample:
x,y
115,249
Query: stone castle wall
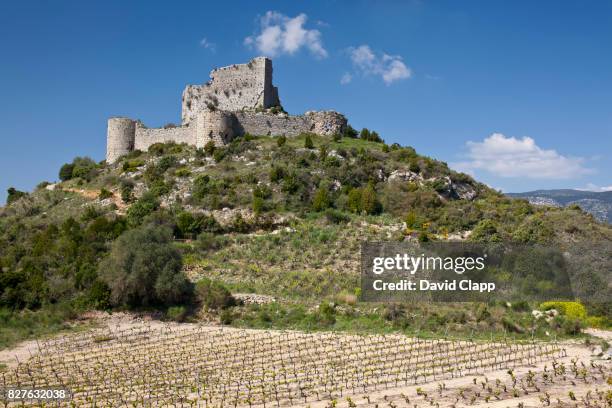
x,y
145,137
233,88
226,107
260,123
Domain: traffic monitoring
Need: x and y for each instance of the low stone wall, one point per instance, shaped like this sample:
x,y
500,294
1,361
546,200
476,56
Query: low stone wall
x,y
146,137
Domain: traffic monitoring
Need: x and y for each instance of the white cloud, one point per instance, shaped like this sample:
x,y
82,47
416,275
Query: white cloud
x,y
390,68
596,188
346,78
204,43
511,157
280,34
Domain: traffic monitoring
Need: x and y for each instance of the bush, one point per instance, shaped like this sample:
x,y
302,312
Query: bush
x,y
281,140
104,194
176,313
321,199
219,154
127,191
308,144
364,134
350,132
258,205
572,310
213,295
277,173
208,241
132,165
193,224
65,172
326,315
14,195
83,167
141,208
144,268
336,217
167,162
209,147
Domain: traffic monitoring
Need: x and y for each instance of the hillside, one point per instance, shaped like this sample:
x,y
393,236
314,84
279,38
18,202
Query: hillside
x,y
597,203
265,218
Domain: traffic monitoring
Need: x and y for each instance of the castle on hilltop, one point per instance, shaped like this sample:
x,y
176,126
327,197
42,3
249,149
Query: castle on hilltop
x,y
238,99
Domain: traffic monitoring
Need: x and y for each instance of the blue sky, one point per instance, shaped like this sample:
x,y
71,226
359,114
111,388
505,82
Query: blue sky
x,y
517,93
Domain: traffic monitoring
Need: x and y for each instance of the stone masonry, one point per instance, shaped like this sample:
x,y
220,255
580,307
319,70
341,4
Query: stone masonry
x,y
237,100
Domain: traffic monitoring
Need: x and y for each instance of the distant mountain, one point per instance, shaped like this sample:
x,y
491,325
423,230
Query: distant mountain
x,y
599,204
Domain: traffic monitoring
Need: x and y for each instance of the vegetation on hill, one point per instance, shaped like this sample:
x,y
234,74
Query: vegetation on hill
x,y
176,227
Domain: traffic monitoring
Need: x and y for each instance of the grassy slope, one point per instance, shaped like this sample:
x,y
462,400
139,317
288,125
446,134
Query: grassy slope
x,y
308,259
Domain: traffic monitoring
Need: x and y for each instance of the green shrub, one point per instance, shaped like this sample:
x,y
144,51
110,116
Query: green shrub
x,y
104,194
369,201
144,268
65,172
127,191
262,191
176,313
167,162
258,205
414,166
157,149
132,165
14,195
182,172
326,314
336,217
350,132
281,140
485,231
83,167
219,154
277,173
209,148
308,144
141,208
321,199
572,310
208,241
213,295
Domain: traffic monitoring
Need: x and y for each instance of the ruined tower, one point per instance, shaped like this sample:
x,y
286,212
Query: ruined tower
x,y
233,88
120,137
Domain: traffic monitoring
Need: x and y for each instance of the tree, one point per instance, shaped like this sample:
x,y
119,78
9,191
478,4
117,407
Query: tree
x,y
14,195
65,172
350,132
369,201
143,269
364,134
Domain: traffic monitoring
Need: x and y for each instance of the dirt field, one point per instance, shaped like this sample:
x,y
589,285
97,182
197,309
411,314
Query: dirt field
x,y
142,362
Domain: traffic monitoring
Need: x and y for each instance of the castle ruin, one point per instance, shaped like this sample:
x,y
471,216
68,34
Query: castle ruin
x,y
238,99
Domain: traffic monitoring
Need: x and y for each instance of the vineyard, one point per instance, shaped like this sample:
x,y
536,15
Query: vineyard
x,y
144,365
